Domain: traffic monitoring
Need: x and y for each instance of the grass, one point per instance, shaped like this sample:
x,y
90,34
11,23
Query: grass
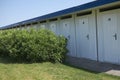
x,y
47,71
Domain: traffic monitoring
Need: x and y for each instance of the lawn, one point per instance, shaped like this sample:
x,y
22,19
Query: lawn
x,y
47,71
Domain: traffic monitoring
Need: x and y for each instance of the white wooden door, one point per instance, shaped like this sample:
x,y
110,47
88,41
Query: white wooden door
x,y
34,27
67,29
86,36
110,38
53,27
83,37
66,32
43,26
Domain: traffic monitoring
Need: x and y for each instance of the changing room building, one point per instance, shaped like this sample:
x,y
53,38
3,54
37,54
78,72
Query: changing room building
x,y
92,29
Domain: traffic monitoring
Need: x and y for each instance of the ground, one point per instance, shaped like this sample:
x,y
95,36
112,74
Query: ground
x,y
47,71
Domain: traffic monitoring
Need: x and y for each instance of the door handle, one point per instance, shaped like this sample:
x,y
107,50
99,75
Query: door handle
x,y
115,36
87,36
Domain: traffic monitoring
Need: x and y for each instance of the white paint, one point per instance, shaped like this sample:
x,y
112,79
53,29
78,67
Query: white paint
x,y
83,36
28,27
22,28
108,29
43,26
53,26
17,28
34,26
110,32
67,29
86,37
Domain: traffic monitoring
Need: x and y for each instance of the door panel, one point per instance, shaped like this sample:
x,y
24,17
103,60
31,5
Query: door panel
x,y
84,37
43,26
67,29
66,32
53,27
110,37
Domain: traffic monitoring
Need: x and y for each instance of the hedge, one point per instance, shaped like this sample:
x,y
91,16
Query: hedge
x,y
33,45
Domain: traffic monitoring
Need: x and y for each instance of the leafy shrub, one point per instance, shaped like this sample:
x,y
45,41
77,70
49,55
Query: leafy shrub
x,y
32,45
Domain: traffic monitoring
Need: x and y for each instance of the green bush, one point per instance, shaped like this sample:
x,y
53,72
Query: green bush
x,y
32,45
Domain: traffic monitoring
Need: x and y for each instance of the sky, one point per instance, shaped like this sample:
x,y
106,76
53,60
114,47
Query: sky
x,y
13,11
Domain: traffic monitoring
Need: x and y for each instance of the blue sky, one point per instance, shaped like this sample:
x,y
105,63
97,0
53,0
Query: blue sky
x,y
12,11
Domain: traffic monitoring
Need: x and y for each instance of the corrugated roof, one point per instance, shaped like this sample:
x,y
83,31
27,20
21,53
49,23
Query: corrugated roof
x,y
63,12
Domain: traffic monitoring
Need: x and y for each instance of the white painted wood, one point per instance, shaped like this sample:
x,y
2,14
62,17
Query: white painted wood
x,y
38,26
22,28
86,37
53,26
17,28
66,32
34,26
28,27
43,26
67,29
118,30
108,34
